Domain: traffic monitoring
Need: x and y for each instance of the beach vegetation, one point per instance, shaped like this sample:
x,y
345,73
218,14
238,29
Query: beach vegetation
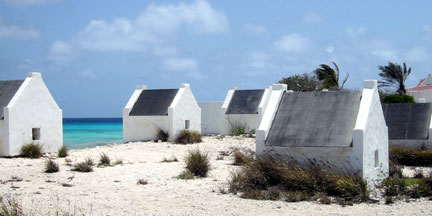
x,y
185,175
259,179
394,76
63,152
301,82
197,163
398,98
118,162
241,159
85,166
104,160
410,157
31,150
162,135
10,207
187,136
51,166
329,77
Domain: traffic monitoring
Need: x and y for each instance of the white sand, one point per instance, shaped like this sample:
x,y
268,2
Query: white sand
x,y
114,190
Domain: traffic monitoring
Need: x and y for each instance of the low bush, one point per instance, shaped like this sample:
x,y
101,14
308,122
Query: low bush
x,y
31,151
187,136
410,157
398,98
51,166
63,152
104,160
142,182
86,166
238,130
403,187
186,174
162,135
241,159
197,163
295,182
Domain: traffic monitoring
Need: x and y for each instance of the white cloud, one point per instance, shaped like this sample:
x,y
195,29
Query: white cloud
x,y
386,54
61,51
417,54
23,3
255,29
330,49
154,27
292,43
313,18
180,64
12,31
88,74
355,32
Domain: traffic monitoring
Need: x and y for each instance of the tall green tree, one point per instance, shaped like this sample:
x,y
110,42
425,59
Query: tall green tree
x,y
301,82
394,76
329,77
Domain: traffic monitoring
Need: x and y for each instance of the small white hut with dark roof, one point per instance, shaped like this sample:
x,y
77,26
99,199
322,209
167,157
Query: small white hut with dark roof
x,y
28,114
171,110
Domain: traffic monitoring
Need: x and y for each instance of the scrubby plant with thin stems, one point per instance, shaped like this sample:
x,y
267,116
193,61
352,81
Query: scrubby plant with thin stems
x,y
86,166
104,160
63,152
197,163
142,182
187,136
51,166
31,150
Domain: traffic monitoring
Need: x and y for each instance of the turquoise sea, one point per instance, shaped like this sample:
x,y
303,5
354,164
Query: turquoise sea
x,y
81,133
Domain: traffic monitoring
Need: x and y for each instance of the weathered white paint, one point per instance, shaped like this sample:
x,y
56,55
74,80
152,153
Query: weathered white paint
x,y
249,121
31,107
210,117
370,134
183,107
426,94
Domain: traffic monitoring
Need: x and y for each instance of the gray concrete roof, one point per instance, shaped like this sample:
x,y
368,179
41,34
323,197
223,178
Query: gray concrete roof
x,y
245,101
153,102
408,121
315,119
8,88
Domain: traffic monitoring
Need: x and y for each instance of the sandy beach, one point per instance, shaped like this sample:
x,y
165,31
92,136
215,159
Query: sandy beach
x,y
114,190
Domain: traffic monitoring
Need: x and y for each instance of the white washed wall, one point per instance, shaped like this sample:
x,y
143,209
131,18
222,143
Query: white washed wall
x,y
211,117
33,107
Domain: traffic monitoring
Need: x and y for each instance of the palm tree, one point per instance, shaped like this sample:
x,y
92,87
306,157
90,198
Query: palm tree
x,y
330,77
394,75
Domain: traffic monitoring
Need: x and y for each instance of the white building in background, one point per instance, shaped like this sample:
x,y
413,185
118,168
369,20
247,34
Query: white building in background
x,y
343,130
422,92
28,114
211,117
243,109
171,110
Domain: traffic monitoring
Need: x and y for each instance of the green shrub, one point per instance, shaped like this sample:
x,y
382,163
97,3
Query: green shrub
x,y
63,152
410,157
31,151
398,98
187,136
197,163
162,135
51,166
86,166
186,174
295,183
238,130
104,160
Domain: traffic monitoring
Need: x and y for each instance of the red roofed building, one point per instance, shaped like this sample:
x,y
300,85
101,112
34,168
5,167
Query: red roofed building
x,y
422,92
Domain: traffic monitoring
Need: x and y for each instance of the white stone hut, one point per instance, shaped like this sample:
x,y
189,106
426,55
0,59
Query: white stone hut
x,y
343,130
409,125
28,114
171,110
243,109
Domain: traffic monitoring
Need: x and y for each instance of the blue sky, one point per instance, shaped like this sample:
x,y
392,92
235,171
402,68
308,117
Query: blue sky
x,y
92,54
